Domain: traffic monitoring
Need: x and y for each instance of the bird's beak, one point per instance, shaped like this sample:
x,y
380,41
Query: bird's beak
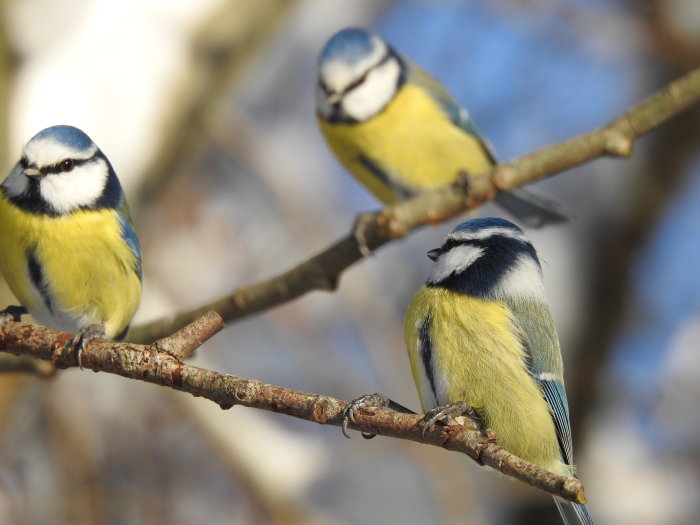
x,y
31,172
434,254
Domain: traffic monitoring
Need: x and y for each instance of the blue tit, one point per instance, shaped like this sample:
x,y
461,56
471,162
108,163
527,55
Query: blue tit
x,y
68,250
398,131
480,332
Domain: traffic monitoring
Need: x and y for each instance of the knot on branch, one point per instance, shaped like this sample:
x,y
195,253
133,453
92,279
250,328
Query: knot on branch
x,y
618,145
500,177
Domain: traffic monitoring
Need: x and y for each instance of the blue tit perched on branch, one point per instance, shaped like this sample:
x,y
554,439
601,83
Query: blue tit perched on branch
x,y
68,250
398,131
480,332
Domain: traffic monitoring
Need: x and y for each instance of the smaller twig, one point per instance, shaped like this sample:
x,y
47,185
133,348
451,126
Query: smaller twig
x,y
185,341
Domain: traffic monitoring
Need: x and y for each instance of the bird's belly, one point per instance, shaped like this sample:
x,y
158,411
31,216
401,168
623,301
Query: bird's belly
x,y
70,271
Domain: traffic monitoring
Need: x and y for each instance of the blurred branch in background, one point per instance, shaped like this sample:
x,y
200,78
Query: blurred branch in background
x,y
610,298
10,384
224,46
7,63
148,363
12,363
672,28
323,271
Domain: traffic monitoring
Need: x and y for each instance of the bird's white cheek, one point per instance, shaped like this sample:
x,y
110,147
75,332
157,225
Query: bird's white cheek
x,y
82,186
370,97
456,260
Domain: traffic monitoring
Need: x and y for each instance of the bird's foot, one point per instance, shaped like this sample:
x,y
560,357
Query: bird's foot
x,y
368,401
446,412
12,313
77,343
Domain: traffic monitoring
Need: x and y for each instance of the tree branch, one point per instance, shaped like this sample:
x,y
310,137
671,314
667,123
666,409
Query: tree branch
x,y
323,270
185,341
147,363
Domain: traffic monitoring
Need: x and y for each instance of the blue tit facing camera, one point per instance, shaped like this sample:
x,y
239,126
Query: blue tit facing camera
x,y
480,332
68,250
398,131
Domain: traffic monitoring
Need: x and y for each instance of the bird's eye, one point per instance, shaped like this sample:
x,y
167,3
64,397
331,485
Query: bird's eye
x,y
66,165
23,162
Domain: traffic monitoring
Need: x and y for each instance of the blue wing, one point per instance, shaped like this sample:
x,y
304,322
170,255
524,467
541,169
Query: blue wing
x,y
456,113
555,395
129,235
543,359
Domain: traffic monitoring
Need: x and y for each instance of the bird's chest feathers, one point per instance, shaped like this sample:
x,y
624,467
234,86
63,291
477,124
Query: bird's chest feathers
x,y
474,345
82,236
412,141
64,265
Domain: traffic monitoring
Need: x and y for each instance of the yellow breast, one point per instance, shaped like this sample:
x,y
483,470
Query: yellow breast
x,y
412,141
88,270
477,357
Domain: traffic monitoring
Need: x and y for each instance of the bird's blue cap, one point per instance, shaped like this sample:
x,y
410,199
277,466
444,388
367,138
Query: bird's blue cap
x,y
487,222
70,136
351,44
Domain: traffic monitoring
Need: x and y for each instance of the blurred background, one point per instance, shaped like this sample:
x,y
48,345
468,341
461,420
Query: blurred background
x,y
206,110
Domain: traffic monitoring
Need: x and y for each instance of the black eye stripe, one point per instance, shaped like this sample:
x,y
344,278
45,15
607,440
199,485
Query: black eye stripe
x,y
451,242
388,55
493,244
65,165
357,82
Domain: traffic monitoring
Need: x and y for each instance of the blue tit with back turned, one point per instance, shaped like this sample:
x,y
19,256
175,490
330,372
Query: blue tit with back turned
x,y
68,250
480,332
398,131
